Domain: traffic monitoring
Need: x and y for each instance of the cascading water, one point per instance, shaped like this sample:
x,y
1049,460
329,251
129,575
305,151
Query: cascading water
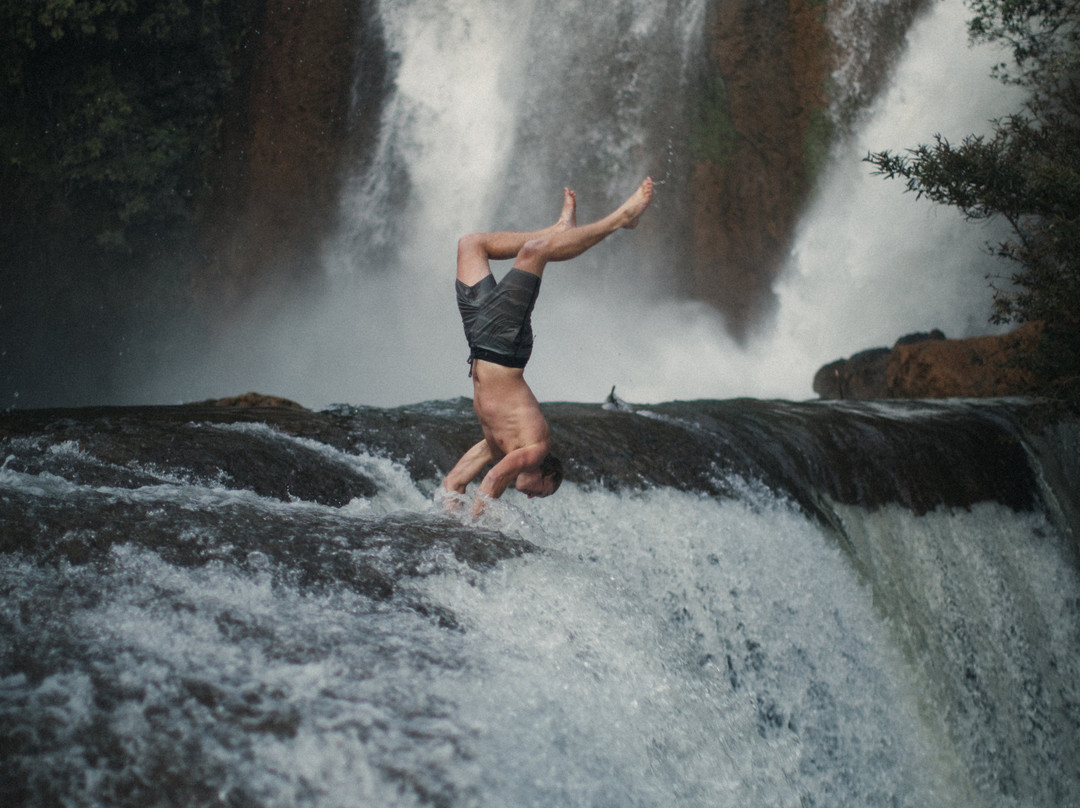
x,y
497,106
493,107
728,604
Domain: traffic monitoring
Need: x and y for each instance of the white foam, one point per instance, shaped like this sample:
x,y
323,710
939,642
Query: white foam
x,y
661,648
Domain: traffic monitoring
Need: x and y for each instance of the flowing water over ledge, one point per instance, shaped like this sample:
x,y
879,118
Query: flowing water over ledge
x,y
729,603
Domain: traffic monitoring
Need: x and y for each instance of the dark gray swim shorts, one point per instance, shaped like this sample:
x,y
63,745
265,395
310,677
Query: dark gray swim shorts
x,y
498,317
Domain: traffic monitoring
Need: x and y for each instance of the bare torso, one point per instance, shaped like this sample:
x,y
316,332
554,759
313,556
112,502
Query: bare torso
x,y
508,412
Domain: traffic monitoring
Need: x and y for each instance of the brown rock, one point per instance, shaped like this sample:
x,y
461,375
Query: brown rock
x,y
250,400
277,183
974,367
773,61
927,365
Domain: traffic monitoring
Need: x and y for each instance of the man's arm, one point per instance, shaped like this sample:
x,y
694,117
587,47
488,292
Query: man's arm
x,y
466,469
506,470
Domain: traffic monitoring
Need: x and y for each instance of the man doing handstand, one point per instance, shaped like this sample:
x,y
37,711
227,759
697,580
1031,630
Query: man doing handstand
x,y
498,327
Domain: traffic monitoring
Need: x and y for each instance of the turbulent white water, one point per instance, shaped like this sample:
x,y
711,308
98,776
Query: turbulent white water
x,y
230,612
663,649
495,106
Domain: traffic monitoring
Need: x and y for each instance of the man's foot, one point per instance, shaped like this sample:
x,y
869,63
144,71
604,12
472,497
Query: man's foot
x,y
568,216
636,204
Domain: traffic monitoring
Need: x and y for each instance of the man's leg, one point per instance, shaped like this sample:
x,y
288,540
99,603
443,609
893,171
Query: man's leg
x,y
476,250
566,243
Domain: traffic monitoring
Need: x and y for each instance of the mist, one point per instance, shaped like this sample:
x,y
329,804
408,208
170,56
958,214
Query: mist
x,y
869,262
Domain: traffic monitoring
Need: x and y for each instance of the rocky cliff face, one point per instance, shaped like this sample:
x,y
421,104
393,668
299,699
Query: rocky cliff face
x,y
783,79
931,366
772,61
285,134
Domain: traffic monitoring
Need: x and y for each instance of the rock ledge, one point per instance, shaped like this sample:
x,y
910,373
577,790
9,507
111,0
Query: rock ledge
x,y
927,365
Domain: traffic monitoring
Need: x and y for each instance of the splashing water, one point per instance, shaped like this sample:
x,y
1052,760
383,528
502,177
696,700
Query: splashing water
x,y
183,613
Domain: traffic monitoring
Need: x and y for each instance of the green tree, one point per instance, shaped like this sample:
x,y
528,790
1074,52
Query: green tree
x,y
1027,171
109,106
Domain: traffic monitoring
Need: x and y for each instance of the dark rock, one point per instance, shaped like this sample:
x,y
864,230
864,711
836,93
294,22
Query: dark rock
x,y
920,336
861,377
928,365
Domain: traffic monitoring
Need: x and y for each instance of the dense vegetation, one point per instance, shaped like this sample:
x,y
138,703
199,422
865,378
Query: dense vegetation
x,y
1027,171
109,106
110,130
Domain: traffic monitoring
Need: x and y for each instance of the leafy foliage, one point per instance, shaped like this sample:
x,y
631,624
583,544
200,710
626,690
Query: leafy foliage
x,y
109,105
1027,172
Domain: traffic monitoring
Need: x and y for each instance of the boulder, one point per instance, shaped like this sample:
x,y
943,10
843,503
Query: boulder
x,y
860,376
251,400
927,365
976,367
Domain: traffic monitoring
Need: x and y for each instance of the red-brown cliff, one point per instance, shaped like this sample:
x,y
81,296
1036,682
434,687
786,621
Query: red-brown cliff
x,y
284,137
774,59
976,367
931,366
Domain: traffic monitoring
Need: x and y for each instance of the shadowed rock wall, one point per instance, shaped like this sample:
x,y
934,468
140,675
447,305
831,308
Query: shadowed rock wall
x,y
287,130
772,62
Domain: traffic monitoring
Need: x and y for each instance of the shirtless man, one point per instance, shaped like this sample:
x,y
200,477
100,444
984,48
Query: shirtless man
x,y
497,319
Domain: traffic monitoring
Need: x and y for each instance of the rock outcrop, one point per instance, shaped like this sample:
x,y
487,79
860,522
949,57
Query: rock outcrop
x,y
251,400
285,133
931,366
859,376
974,367
773,63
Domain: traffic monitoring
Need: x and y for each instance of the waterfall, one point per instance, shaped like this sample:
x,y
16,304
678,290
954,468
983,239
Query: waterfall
x,y
493,107
809,604
496,107
871,263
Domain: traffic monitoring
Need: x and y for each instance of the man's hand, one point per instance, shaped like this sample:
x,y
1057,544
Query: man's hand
x,y
496,481
450,501
479,503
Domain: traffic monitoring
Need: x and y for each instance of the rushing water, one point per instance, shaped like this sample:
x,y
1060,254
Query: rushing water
x,y
491,108
729,603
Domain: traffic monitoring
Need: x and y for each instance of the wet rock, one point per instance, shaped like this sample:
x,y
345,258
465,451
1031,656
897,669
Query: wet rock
x,y
928,365
770,104
975,367
772,65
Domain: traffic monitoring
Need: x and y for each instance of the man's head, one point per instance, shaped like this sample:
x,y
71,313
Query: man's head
x,y
543,481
